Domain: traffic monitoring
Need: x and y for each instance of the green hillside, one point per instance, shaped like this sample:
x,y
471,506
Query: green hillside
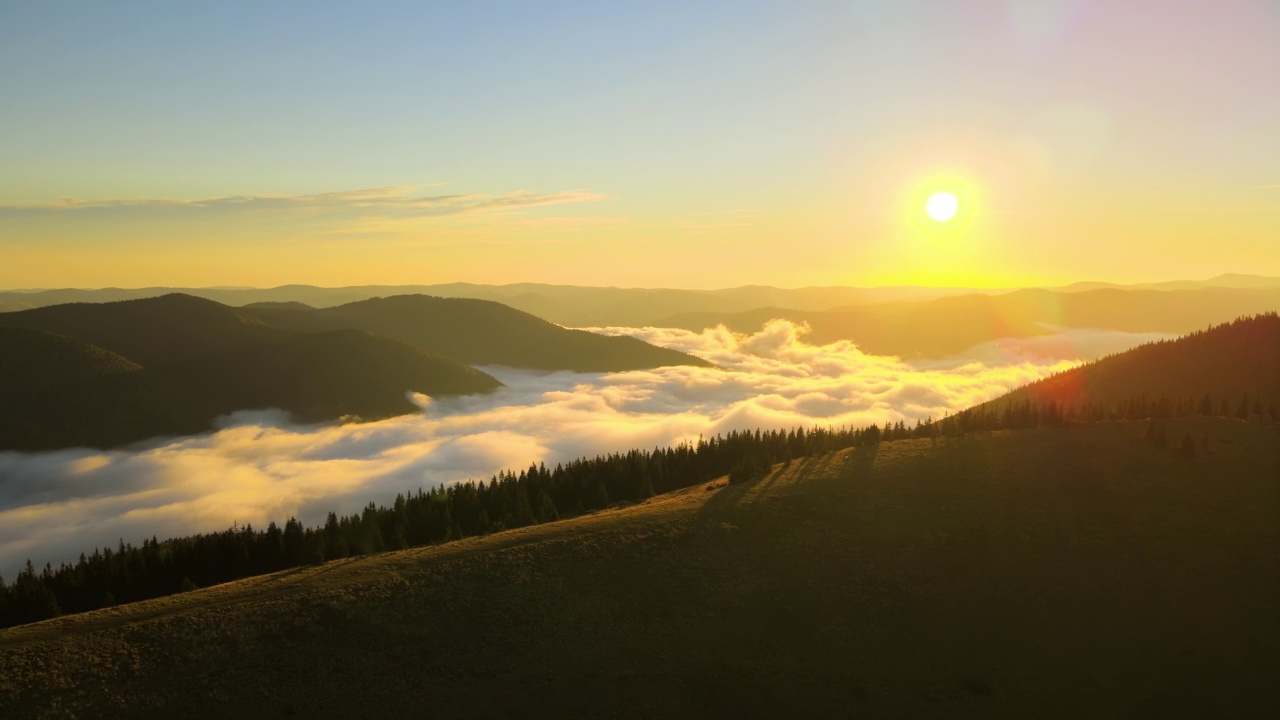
x,y
37,359
481,332
171,328
266,305
189,359
58,392
153,331
201,360
1061,572
322,376
1228,364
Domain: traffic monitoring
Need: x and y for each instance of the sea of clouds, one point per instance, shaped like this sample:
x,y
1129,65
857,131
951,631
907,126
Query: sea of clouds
x,y
260,467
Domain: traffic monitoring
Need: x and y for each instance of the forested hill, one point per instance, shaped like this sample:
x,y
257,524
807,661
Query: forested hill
x,y
106,375
481,332
152,331
102,375
58,392
1228,369
322,376
1073,572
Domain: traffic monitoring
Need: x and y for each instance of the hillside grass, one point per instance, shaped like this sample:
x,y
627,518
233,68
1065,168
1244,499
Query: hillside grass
x,y
1066,572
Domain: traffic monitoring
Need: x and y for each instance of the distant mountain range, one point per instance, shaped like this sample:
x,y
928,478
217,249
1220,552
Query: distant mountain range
x,y
948,326
1229,280
477,332
106,374
568,305
577,306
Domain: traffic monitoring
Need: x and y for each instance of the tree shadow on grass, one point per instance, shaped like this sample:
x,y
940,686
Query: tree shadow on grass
x,y
858,461
728,498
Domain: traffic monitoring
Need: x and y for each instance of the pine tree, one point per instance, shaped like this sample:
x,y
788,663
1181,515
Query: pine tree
x,y
1188,446
546,508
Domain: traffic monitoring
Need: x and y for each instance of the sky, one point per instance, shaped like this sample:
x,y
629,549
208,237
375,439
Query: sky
x,y
656,144
261,468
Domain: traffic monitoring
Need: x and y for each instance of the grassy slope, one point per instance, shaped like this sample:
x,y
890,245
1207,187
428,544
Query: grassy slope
x,y
1073,572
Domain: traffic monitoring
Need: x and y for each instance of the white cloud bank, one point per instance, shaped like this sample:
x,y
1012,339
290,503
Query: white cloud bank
x,y
260,467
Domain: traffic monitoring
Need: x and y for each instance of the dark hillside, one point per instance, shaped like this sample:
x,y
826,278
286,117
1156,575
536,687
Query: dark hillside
x,y
153,331
206,360
481,332
1227,364
38,360
327,375
268,305
58,392
1063,572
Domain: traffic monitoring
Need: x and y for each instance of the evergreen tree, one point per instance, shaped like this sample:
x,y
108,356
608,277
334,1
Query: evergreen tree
x,y
1188,446
1206,405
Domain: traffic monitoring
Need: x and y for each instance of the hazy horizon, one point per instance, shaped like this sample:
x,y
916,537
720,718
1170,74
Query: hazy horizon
x,y
463,282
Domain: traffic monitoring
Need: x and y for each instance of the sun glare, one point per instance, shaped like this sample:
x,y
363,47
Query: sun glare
x,y
942,206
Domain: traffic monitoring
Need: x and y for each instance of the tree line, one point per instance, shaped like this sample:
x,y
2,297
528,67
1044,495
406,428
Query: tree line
x,y
510,499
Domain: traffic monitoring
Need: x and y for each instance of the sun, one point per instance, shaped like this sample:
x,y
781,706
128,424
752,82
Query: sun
x,y
942,206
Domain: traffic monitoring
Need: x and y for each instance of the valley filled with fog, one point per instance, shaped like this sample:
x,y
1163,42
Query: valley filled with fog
x,y
261,467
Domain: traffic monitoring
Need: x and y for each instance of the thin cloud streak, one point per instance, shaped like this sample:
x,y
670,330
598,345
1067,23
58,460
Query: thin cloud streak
x,y
390,201
260,467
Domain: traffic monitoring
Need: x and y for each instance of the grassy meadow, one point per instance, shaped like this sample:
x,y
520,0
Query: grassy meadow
x,y
1060,572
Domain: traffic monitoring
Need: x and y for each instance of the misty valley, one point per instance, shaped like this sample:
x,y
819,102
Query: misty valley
x,y
640,361
291,438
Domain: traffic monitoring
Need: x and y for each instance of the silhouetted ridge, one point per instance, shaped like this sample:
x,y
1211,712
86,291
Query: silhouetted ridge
x,y
1225,363
37,358
108,374
58,392
482,332
153,331
269,305
169,365
327,375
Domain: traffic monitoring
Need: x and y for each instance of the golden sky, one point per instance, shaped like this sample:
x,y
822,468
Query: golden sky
x,y
713,146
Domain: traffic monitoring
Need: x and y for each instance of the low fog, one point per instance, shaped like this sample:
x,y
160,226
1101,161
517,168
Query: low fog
x,y
260,467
